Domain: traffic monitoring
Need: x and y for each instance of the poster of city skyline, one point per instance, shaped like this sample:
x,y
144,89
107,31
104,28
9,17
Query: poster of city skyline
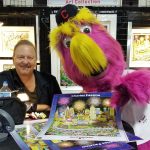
x,y
83,117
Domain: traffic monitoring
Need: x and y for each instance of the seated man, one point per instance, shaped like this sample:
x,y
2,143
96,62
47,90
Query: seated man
x,y
40,87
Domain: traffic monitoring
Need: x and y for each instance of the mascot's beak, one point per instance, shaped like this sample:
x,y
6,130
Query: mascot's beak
x,y
87,55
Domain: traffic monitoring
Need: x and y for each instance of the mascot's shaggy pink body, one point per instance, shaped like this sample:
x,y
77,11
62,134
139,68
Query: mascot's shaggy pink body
x,y
79,39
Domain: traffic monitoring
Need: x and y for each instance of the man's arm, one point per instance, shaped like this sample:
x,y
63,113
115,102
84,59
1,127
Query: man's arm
x,y
42,107
30,107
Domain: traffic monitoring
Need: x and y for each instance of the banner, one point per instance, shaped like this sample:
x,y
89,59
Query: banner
x,y
54,3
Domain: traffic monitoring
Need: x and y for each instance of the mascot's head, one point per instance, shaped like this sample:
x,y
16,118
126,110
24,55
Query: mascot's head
x,y
90,56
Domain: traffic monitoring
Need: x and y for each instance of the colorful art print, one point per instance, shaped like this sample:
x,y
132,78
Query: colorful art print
x,y
139,55
39,125
27,135
85,116
31,128
36,125
11,35
20,136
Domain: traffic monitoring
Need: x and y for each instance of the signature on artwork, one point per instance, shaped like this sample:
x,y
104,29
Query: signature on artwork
x,y
143,119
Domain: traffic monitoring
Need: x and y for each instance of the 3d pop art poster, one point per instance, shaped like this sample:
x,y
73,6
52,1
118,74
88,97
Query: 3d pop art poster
x,y
86,116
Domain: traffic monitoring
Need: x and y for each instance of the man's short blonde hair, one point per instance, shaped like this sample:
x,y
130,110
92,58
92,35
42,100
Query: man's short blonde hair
x,y
24,42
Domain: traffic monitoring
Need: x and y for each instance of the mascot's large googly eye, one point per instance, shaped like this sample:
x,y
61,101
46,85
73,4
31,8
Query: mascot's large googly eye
x,y
66,42
86,29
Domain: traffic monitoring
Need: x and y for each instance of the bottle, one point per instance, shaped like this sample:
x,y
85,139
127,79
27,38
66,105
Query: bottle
x,y
5,90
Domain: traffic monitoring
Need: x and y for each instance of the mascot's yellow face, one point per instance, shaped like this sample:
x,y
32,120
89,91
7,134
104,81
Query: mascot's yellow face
x,y
70,34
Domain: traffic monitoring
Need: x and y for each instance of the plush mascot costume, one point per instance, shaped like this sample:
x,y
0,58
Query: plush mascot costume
x,y
94,60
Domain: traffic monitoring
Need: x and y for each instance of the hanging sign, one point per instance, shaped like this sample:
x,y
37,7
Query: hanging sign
x,y
54,3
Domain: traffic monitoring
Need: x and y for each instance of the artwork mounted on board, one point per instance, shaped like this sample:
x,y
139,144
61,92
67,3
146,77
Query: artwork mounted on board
x,y
139,53
11,35
86,116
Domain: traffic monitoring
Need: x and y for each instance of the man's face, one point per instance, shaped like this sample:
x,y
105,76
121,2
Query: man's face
x,y
24,59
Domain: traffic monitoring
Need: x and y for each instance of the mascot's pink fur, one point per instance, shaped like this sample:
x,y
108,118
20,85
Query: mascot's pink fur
x,y
94,60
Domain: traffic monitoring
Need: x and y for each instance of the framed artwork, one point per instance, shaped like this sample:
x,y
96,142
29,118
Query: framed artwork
x,y
68,86
6,64
143,3
139,52
10,35
110,22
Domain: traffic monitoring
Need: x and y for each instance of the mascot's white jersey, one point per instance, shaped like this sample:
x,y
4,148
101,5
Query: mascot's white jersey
x,y
138,116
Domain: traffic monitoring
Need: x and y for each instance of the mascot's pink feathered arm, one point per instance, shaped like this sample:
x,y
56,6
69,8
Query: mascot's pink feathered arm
x,y
135,86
